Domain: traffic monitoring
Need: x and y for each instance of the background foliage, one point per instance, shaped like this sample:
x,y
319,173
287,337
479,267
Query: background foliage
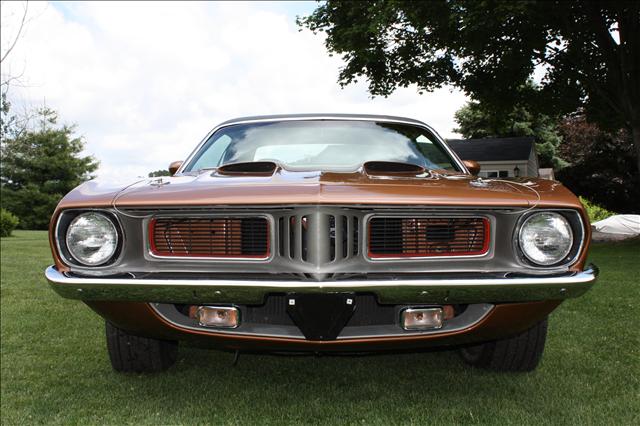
x,y
602,165
586,52
160,173
476,120
41,162
596,164
595,211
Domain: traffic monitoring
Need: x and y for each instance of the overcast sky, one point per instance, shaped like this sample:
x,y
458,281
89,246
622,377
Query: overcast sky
x,y
144,82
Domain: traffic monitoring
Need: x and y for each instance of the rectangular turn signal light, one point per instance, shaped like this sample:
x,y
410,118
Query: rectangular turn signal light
x,y
218,316
421,318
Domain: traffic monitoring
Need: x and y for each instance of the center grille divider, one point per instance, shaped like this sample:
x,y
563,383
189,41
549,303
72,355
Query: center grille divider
x,y
318,238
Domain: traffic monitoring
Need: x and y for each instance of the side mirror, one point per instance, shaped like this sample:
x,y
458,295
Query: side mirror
x,y
173,167
473,166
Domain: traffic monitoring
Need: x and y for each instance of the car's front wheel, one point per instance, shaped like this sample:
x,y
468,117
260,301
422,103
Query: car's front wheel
x,y
135,354
521,352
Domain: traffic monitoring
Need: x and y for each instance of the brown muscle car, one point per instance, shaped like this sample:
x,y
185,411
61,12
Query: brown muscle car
x,y
322,233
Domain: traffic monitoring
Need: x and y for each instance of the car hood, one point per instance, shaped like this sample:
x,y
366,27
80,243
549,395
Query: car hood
x,y
308,187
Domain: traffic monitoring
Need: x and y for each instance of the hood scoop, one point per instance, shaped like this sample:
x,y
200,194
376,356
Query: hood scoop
x,y
392,168
252,168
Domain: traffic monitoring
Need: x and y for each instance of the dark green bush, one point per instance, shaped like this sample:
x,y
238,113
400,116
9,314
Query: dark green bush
x,y
595,211
8,223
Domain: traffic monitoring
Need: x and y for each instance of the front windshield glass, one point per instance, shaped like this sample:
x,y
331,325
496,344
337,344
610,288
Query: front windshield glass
x,y
334,145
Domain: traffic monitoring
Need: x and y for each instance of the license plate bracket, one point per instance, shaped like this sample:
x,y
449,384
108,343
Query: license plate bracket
x,y
321,316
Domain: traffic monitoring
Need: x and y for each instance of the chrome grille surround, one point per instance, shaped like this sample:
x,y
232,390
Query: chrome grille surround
x,y
270,229
399,258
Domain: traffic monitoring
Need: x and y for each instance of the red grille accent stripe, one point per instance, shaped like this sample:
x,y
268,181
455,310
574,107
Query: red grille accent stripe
x,y
240,237
391,237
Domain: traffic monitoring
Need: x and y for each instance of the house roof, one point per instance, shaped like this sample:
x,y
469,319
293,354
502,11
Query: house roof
x,y
493,149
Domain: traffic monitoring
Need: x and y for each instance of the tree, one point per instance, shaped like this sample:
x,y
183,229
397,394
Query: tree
x,y
601,168
587,51
7,121
21,21
159,173
39,166
475,121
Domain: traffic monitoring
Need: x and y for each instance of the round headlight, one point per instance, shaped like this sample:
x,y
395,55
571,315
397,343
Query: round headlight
x,y
92,239
546,238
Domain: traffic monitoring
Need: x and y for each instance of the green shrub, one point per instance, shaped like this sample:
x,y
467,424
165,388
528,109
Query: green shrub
x,y
8,223
594,211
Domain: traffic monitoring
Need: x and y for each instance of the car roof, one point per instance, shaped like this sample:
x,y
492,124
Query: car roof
x,y
328,116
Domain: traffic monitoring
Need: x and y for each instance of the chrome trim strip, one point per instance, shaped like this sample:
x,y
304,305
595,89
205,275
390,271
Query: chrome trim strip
x,y
416,290
313,117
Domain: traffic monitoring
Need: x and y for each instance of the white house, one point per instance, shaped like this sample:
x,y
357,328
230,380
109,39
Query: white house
x,y
499,157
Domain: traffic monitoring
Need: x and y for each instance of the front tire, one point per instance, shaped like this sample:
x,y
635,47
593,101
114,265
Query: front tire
x,y
521,352
135,354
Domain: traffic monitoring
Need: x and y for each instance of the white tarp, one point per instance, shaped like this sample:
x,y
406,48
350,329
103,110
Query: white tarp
x,y
621,224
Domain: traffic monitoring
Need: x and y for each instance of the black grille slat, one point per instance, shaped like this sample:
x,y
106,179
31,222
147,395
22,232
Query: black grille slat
x,y
254,236
283,242
353,236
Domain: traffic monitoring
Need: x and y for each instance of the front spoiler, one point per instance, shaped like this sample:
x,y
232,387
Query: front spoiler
x,y
440,289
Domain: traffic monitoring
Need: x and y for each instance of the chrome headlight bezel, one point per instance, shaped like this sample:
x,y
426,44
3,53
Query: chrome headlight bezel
x,y
67,218
576,226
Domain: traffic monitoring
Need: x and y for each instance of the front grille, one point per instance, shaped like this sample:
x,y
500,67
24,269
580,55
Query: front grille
x,y
227,237
392,237
317,242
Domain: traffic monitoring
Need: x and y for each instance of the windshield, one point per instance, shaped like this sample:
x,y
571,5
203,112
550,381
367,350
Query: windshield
x,y
333,145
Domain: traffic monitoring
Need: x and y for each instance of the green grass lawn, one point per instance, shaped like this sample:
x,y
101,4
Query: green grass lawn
x,y
55,367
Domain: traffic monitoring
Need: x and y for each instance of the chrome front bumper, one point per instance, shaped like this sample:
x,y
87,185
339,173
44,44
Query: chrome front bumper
x,y
393,291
